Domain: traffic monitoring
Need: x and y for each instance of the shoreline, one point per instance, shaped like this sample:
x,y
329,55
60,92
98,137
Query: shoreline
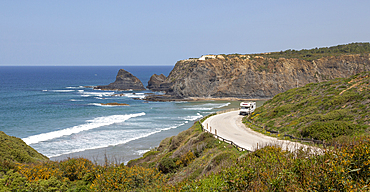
x,y
167,98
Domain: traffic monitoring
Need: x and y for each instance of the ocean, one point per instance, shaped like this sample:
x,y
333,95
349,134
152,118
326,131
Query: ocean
x,y
55,111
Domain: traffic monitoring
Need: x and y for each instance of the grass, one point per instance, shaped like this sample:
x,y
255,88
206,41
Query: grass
x,y
321,111
317,53
344,168
13,150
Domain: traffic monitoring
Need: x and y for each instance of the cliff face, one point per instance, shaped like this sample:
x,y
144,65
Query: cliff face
x,y
124,81
256,77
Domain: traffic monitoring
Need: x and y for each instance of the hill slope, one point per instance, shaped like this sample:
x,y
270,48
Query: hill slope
x,y
190,155
321,111
14,150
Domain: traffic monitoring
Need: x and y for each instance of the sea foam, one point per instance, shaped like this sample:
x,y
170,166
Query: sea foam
x,y
90,124
105,139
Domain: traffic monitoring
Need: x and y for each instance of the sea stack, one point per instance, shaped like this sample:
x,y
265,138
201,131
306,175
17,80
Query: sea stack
x,y
124,81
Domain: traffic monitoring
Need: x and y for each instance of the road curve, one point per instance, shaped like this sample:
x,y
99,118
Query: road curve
x,y
229,126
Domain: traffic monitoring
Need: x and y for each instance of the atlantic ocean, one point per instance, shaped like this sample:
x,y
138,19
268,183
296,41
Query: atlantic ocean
x,y
55,110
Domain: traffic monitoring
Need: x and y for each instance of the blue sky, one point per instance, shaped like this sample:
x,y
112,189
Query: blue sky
x,y
162,32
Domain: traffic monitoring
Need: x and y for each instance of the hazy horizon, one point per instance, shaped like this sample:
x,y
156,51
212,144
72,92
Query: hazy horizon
x,y
111,33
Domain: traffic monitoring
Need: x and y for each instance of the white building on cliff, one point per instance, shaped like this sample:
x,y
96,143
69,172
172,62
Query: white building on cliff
x,y
204,57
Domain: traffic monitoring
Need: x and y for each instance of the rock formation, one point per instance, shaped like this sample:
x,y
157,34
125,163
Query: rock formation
x,y
155,82
256,77
124,81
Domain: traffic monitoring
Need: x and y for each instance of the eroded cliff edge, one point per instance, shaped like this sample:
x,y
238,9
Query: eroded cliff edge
x,y
250,76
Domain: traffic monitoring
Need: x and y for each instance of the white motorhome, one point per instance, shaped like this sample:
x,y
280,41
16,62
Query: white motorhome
x,y
247,108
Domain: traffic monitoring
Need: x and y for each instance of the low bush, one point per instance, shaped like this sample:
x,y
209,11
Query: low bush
x,y
330,129
167,165
344,168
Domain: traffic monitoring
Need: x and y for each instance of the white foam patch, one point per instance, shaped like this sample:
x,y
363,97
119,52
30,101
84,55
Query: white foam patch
x,y
62,91
136,95
208,106
223,105
78,87
99,140
192,118
90,124
99,104
76,100
95,94
141,152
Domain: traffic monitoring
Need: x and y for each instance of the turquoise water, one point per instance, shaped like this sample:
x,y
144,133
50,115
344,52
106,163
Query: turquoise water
x,y
53,111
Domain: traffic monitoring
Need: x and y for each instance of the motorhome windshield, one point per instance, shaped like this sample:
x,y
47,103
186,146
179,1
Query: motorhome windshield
x,y
245,107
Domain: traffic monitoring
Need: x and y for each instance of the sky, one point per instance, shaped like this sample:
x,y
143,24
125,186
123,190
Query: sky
x,y
154,32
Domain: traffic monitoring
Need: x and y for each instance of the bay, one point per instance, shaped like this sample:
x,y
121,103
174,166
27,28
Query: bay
x,y
53,109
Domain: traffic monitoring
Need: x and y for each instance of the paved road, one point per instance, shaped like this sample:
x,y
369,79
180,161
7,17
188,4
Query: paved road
x,y
229,126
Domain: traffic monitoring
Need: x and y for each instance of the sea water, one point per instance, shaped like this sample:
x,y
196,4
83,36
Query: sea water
x,y
55,110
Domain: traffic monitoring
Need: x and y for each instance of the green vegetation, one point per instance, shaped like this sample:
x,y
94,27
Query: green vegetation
x,y
336,111
317,53
322,111
344,168
13,150
189,155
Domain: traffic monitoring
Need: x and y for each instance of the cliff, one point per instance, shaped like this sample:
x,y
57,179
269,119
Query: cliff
x,y
253,76
124,81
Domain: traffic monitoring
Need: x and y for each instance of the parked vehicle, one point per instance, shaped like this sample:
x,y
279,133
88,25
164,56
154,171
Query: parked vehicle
x,y
247,108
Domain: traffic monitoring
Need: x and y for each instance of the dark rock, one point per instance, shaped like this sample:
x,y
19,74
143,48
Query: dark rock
x,y
124,81
155,81
257,78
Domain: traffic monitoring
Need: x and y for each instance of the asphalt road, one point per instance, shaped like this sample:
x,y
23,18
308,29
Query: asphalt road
x,y
229,126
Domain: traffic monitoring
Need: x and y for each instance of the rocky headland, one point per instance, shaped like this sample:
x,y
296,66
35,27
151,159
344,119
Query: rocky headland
x,y
124,81
250,76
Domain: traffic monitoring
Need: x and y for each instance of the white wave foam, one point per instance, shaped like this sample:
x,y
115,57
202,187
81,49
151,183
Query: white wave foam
x,y
75,100
192,118
96,94
78,87
136,95
44,90
223,105
141,152
138,136
90,124
62,91
100,105
208,106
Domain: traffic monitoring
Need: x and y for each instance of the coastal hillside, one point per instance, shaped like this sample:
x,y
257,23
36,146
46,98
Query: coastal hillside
x,y
322,111
258,76
196,161
13,150
190,155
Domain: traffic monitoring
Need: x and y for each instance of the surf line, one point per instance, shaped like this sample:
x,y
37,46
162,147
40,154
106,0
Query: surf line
x,y
90,124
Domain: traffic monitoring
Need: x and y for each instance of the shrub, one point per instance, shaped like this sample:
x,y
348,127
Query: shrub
x,y
123,178
167,165
330,129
